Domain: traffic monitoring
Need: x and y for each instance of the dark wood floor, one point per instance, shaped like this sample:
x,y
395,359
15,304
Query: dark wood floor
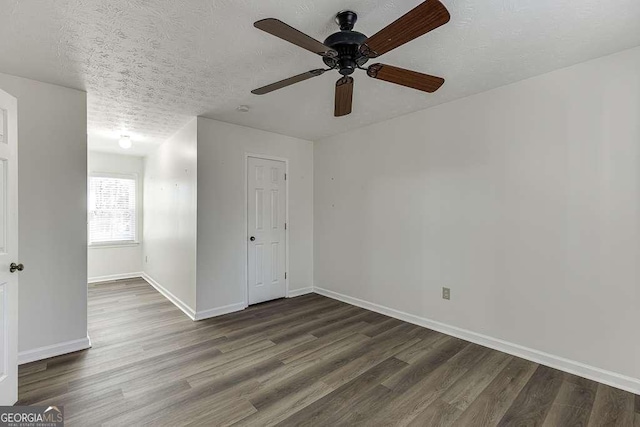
x,y
304,361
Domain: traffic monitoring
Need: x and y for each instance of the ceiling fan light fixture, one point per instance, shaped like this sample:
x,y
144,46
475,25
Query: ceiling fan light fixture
x,y
125,142
347,51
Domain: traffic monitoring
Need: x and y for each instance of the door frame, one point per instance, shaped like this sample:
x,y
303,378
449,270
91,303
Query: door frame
x,y
246,219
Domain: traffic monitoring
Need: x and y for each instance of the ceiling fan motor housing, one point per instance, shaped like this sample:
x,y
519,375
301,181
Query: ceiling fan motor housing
x,y
347,43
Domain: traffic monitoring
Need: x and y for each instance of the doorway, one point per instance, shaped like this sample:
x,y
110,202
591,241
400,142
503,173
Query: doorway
x,y
266,229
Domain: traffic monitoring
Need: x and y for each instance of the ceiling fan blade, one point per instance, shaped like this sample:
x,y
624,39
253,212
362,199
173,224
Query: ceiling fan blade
x,y
408,78
426,17
286,32
344,96
288,82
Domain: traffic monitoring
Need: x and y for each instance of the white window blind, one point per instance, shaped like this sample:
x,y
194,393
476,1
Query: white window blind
x,y
112,209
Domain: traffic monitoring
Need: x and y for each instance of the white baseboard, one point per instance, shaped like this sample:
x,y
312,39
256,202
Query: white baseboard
x,y
214,312
113,277
53,350
171,297
232,308
298,292
576,368
193,315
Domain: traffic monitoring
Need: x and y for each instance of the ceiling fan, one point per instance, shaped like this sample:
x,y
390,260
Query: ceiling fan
x,y
348,50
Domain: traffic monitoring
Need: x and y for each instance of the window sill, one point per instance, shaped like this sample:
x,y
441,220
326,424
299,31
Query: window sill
x,y
113,245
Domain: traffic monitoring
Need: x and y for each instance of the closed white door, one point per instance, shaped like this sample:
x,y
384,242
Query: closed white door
x,y
266,213
9,265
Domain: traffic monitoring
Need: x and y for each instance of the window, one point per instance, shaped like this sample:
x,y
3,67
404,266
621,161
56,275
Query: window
x,y
112,209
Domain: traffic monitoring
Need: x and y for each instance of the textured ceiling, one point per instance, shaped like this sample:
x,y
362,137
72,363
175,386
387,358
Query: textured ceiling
x,y
148,66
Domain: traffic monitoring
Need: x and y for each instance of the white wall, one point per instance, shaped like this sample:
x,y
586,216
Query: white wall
x,y
52,179
117,261
222,259
169,211
524,200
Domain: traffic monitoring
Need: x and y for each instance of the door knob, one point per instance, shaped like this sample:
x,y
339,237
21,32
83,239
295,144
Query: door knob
x,y
252,238
15,267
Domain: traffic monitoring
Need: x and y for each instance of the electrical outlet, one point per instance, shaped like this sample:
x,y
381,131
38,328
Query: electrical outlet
x,y
446,293
146,258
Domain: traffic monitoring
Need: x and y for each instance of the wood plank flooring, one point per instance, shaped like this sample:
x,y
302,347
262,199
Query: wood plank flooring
x,y
306,361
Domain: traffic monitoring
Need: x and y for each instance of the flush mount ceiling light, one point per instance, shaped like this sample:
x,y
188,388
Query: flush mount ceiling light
x,y
243,108
125,142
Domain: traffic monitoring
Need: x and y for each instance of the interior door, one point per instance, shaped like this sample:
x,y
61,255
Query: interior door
x,y
8,249
266,214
